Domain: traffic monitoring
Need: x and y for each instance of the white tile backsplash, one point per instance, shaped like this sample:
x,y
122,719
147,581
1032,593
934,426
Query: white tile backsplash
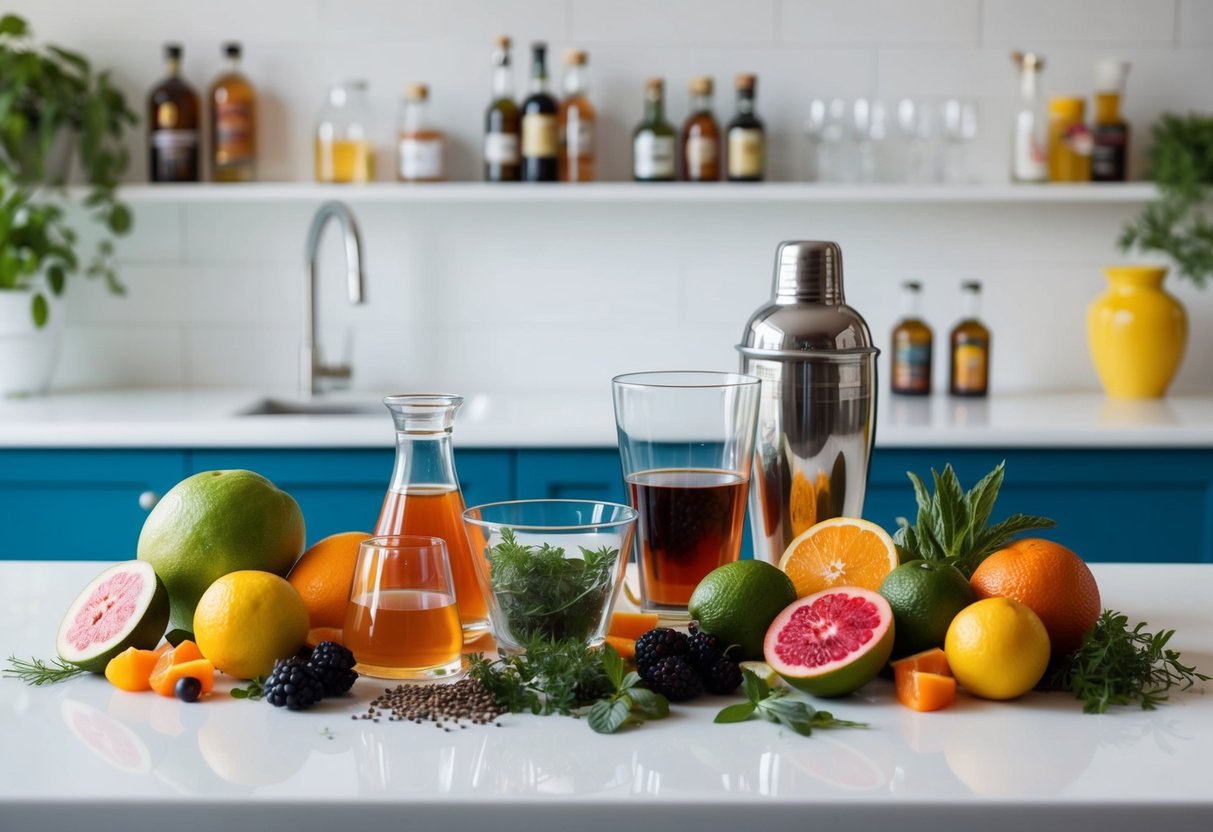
x,y
879,21
1195,22
672,22
121,355
255,356
1027,23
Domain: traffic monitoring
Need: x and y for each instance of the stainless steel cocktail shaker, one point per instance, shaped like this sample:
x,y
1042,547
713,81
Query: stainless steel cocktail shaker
x,y
817,407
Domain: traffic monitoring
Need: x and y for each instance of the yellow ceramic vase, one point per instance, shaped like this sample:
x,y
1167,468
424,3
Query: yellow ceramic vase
x,y
1137,333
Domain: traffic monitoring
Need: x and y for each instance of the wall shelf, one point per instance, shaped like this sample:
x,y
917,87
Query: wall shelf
x,y
784,193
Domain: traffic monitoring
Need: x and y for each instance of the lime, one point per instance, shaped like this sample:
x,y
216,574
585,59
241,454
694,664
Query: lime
x,y
247,620
762,670
738,601
925,597
214,523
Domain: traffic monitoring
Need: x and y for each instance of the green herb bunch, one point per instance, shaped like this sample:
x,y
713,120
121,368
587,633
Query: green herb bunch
x,y
778,705
38,672
543,593
1120,666
952,525
1178,224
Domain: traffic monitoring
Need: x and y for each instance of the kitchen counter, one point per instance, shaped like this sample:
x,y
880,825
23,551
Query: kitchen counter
x,y
82,753
213,419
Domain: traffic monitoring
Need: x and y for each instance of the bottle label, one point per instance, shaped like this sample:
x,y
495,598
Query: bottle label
x,y
653,156
540,136
701,152
1108,156
501,148
233,132
421,158
1028,160
969,367
912,368
578,138
175,141
746,152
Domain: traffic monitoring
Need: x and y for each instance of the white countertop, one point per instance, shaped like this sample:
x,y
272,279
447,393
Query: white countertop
x,y
213,419
83,753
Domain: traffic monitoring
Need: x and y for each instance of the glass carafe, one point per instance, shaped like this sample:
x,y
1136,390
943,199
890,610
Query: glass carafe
x,y
424,496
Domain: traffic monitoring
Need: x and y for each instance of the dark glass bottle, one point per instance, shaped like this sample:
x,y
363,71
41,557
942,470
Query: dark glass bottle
x,y
540,124
747,139
502,154
911,375
172,121
1110,155
653,140
700,136
970,363
233,124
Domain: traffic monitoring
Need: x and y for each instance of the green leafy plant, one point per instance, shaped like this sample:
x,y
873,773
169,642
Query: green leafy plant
x,y
1178,223
45,93
778,705
631,702
254,690
1120,666
952,526
38,672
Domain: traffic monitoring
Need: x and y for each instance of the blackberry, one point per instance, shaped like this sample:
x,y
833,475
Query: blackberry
x,y
703,649
657,644
334,666
295,684
674,678
724,676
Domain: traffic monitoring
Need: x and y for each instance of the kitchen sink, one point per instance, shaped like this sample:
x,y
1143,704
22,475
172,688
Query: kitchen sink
x,y
314,407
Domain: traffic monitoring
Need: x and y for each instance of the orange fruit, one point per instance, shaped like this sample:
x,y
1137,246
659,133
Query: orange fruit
x,y
131,668
177,663
925,691
625,647
843,551
322,577
1048,579
631,625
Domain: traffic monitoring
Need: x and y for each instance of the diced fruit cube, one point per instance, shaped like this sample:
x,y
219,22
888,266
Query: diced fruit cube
x,y
186,651
132,668
625,647
631,625
164,677
928,661
924,691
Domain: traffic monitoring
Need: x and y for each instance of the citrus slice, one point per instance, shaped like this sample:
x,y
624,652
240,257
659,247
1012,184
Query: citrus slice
x,y
762,670
925,691
842,551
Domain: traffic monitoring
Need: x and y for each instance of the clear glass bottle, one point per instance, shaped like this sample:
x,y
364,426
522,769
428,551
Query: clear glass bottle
x,y
1029,154
653,153
421,150
912,341
233,122
747,140
343,143
577,119
424,496
172,123
700,136
502,153
970,375
540,123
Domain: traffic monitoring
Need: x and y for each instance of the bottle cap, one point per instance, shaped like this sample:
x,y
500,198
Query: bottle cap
x,y
232,49
654,84
809,270
701,85
911,286
416,92
539,50
1068,107
576,57
970,286
1029,60
172,51
501,41
1110,75
745,81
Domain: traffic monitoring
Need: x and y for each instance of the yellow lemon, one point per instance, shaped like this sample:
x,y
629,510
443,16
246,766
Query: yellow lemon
x,y
997,648
247,620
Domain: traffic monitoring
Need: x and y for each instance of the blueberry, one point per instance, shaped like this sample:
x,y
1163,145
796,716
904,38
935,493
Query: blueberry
x,y
188,689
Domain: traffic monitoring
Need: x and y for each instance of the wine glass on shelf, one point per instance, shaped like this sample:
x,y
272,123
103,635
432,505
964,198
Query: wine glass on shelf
x,y
870,129
960,125
916,124
827,130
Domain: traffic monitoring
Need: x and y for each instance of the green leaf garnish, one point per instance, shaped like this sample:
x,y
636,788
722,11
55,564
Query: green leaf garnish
x,y
38,672
254,690
778,705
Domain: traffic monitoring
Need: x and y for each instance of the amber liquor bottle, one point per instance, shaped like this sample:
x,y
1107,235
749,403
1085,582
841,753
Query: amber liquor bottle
x,y
700,136
912,339
747,139
233,123
502,152
577,119
540,124
970,375
172,119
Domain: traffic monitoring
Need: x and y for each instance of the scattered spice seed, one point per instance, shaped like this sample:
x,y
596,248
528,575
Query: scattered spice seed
x,y
443,705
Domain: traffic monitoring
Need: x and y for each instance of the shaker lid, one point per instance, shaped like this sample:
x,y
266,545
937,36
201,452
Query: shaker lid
x,y
808,311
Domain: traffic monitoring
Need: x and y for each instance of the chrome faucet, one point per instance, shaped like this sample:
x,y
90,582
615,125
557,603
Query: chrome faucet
x,y
312,370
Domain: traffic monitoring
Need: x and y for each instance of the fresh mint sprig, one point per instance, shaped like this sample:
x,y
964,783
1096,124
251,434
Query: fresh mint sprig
x,y
776,705
254,690
631,703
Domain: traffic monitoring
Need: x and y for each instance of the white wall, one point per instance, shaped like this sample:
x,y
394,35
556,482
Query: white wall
x,y
488,297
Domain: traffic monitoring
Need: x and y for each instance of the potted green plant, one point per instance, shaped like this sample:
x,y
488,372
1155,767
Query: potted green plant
x,y
53,109
1136,330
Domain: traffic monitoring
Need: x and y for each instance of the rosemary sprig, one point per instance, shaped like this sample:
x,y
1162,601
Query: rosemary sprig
x,y
37,672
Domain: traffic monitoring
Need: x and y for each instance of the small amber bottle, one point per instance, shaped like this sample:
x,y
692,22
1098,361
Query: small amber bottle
x,y
701,154
576,120
970,363
912,340
233,122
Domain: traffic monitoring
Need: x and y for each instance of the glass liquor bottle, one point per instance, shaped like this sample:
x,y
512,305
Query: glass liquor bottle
x,y
172,120
540,127
343,142
747,142
911,375
502,155
233,122
1109,157
424,496
576,121
1029,147
970,375
653,139
421,148
700,136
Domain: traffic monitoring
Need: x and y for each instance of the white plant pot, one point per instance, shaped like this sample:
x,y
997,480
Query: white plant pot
x,y
27,353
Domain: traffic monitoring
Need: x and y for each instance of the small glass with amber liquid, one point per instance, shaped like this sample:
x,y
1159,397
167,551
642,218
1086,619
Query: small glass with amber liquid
x,y
577,119
912,340
701,136
233,122
172,121
970,375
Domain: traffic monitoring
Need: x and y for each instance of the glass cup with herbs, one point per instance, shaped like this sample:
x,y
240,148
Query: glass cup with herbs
x,y
686,441
550,569
401,621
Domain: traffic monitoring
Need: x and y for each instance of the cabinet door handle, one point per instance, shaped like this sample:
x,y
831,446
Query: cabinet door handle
x,y
148,500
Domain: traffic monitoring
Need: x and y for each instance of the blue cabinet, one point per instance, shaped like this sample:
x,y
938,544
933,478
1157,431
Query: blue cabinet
x,y
578,474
